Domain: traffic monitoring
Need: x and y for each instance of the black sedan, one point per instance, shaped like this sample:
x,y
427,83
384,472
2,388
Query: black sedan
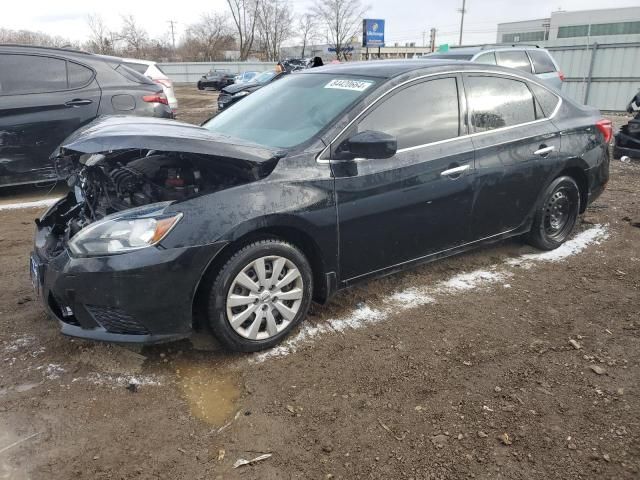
x,y
216,80
234,225
233,93
47,93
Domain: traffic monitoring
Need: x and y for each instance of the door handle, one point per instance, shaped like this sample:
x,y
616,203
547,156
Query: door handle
x,y
543,151
454,171
78,102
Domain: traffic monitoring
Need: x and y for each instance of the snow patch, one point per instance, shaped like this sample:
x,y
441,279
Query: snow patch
x,y
51,371
121,380
469,281
593,236
47,202
419,296
18,343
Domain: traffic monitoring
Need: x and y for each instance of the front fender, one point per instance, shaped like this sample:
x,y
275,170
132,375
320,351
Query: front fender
x,y
226,216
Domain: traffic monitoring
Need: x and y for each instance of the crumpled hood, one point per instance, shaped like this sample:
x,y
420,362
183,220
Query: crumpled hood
x,y
239,87
125,132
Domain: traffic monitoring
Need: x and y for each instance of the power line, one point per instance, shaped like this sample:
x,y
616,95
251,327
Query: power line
x,y
173,34
462,12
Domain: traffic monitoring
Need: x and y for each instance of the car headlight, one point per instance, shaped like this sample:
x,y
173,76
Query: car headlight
x,y
241,94
121,234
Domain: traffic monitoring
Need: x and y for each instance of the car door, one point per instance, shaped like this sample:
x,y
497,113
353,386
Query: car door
x,y
42,100
515,145
416,203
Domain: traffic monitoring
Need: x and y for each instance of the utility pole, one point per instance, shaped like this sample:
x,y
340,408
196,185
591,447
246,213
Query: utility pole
x,y
432,40
462,11
173,34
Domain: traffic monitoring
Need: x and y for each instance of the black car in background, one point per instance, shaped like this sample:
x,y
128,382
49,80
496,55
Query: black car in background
x,y
233,93
216,79
47,93
310,185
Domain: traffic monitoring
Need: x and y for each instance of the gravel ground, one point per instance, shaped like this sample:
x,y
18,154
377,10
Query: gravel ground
x,y
498,363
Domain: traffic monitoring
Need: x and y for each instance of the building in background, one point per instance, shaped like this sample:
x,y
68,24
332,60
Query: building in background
x,y
598,51
622,23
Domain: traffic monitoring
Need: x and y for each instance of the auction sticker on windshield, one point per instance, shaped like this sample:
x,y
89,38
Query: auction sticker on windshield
x,y
343,84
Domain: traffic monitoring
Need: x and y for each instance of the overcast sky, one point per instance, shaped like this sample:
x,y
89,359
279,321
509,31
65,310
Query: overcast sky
x,y
405,19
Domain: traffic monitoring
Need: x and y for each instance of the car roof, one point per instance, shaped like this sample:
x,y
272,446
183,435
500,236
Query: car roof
x,y
473,49
79,55
394,68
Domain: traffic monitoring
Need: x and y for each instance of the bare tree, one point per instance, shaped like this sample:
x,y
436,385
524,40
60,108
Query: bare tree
x,y
28,37
245,17
275,21
100,37
207,38
134,36
307,30
342,19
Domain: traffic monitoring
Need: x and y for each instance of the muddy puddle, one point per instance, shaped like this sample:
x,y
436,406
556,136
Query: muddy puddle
x,y
213,393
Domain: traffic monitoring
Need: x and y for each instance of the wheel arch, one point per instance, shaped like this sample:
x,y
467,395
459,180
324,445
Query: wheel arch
x,y
579,175
324,281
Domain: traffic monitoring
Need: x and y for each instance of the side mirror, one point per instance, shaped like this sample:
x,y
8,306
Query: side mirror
x,y
369,144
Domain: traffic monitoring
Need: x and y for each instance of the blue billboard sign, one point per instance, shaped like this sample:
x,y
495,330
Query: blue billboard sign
x,y
372,33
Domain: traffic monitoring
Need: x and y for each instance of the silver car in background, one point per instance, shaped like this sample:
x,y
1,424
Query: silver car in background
x,y
528,58
246,77
152,70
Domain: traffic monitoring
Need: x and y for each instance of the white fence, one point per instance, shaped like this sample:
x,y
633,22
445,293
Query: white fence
x,y
190,72
603,72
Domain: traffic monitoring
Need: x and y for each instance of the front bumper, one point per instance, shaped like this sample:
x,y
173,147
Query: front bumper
x,y
141,297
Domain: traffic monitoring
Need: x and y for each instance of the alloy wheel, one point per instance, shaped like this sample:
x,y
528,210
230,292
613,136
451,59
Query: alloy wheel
x,y
264,297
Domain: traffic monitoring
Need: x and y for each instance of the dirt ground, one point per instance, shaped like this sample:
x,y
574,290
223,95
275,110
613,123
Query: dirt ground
x,y
422,375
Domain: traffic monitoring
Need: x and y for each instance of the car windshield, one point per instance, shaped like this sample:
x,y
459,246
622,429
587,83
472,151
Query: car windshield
x,y
291,111
264,77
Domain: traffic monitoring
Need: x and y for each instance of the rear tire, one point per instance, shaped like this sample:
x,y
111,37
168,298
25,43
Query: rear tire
x,y
556,215
261,293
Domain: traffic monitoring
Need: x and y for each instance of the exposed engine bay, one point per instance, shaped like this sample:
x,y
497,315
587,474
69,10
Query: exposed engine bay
x,y
106,183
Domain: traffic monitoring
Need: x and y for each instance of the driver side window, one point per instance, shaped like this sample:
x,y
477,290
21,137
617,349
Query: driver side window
x,y
419,114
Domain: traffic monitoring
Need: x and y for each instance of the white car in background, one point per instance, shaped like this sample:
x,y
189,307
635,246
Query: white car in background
x,y
152,70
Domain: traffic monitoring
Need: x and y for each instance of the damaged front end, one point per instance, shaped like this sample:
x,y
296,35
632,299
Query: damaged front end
x,y
627,140
98,261
112,167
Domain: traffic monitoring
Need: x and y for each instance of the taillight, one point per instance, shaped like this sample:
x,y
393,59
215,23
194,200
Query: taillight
x,y
606,128
156,98
561,75
165,82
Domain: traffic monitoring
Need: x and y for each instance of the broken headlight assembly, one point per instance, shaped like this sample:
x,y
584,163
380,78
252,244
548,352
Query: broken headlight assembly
x,y
123,232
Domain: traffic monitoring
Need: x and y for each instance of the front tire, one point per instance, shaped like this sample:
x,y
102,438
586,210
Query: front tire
x,y
261,293
557,214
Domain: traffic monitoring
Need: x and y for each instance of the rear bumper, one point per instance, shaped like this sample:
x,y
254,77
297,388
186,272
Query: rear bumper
x,y
139,297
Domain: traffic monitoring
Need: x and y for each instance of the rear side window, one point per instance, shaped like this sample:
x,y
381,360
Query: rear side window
x,y
421,113
496,102
514,59
21,74
486,58
547,100
542,62
79,75
132,75
138,67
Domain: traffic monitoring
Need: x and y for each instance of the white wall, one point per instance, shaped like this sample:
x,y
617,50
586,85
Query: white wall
x,y
190,72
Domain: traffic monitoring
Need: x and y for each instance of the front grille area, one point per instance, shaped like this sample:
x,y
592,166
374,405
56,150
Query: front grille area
x,y
115,320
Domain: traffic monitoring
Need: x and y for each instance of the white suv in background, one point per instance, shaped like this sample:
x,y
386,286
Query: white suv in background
x,y
152,70
528,58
